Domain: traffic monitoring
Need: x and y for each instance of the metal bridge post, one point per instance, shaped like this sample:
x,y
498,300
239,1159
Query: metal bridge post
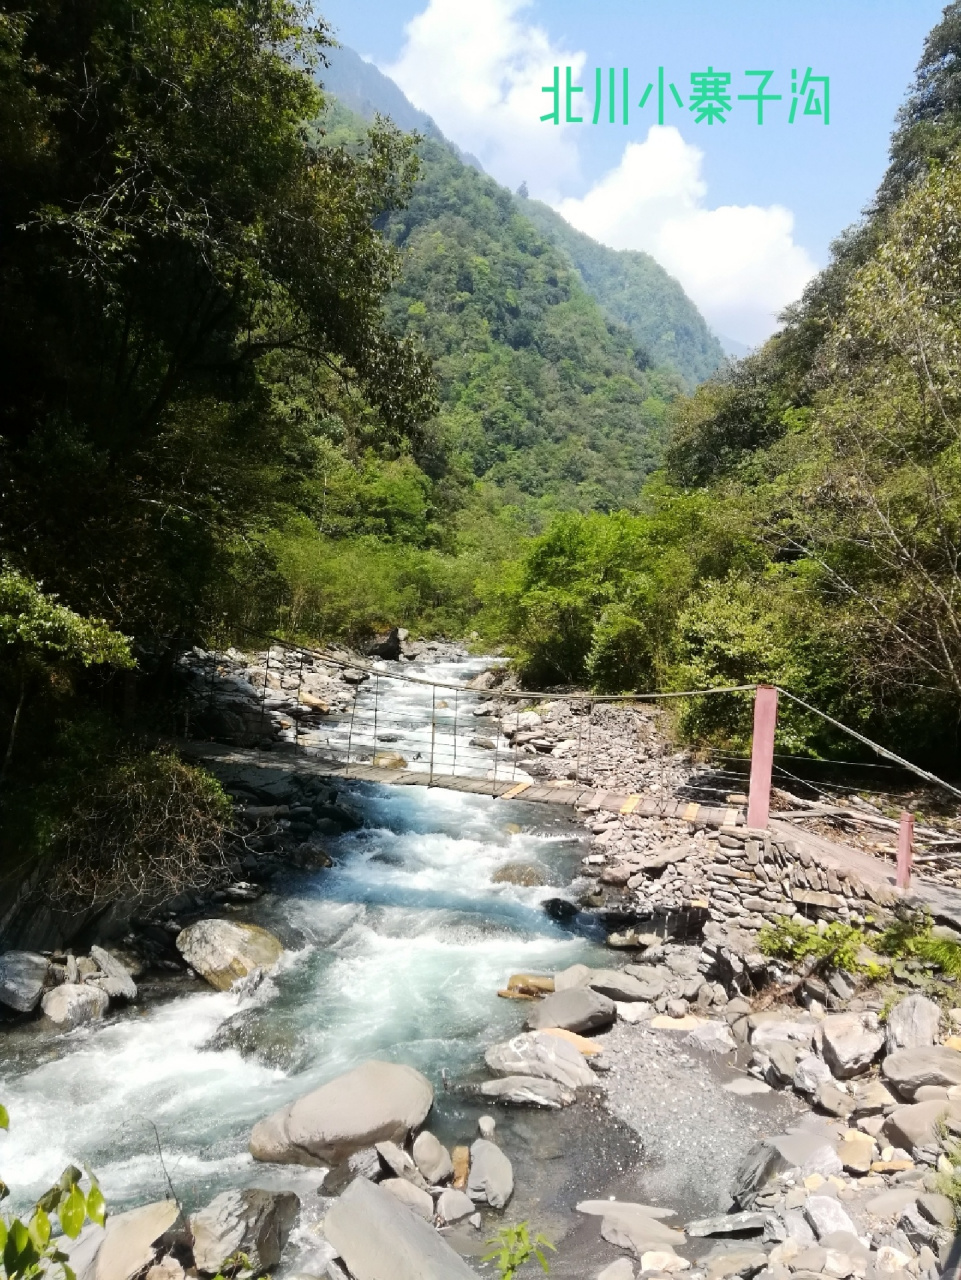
x,y
762,756
453,767
433,731
376,699
905,849
350,731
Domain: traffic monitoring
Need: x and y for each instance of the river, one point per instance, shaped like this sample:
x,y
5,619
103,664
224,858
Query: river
x,y
396,952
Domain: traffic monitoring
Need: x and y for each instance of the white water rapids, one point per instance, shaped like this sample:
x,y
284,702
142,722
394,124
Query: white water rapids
x,y
396,952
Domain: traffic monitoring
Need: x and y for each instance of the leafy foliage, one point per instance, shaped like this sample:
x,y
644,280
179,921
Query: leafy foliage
x,y
515,1248
838,946
35,628
912,936
636,291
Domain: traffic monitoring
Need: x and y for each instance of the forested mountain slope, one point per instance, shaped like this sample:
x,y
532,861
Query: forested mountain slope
x,y
634,289
630,287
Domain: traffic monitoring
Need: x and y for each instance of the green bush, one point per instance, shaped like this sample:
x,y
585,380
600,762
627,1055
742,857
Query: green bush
x,y
837,947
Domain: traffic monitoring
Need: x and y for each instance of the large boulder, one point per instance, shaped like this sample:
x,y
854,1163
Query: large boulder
x,y
912,1024
917,1124
253,1222
576,1010
652,983
130,1240
808,1152
491,1179
22,975
908,1069
223,951
849,1046
538,1054
379,1238
375,1102
73,1003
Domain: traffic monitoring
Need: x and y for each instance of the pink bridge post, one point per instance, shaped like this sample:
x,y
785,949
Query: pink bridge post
x,y
762,756
905,849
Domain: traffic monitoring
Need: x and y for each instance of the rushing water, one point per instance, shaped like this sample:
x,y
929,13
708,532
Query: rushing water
x,y
396,952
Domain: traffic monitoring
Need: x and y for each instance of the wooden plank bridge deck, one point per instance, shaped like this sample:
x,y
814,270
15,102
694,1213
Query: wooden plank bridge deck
x,y
570,794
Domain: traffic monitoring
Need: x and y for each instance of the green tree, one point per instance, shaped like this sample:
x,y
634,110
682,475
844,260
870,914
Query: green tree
x,y
40,638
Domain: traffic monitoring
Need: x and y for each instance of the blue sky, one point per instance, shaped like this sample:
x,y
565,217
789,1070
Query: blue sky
x,y
741,214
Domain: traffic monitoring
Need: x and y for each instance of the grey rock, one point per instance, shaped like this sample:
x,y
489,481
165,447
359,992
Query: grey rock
x,y
574,1010
938,1209
528,1091
912,1024
810,1073
735,1262
491,1178
415,1198
728,1223
917,1124
486,1127
783,1058
122,985
632,1226
70,1005
22,975
714,1037
745,1086
892,1203
617,984
832,1099
808,1152
222,951
130,1240
572,978
454,1206
432,1158
400,1164
872,1098
825,1215
536,1054
622,1269
908,1069
654,984
253,1222
918,1229
375,1102
797,1227
849,1046
380,1239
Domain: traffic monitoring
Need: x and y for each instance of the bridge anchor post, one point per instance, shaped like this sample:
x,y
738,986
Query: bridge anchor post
x,y
905,849
762,756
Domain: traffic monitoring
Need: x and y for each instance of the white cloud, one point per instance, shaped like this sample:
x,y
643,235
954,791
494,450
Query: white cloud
x,y
478,70
477,67
739,263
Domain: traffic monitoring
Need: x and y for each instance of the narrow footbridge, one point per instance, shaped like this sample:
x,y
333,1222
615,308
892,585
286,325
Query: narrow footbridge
x,y
556,793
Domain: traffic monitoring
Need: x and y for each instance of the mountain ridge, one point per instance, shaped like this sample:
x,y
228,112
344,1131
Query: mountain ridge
x,y
630,286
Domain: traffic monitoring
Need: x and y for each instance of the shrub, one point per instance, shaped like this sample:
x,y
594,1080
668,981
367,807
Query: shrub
x,y
145,824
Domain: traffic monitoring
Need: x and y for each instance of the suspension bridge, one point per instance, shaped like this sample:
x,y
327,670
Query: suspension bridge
x,y
352,719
